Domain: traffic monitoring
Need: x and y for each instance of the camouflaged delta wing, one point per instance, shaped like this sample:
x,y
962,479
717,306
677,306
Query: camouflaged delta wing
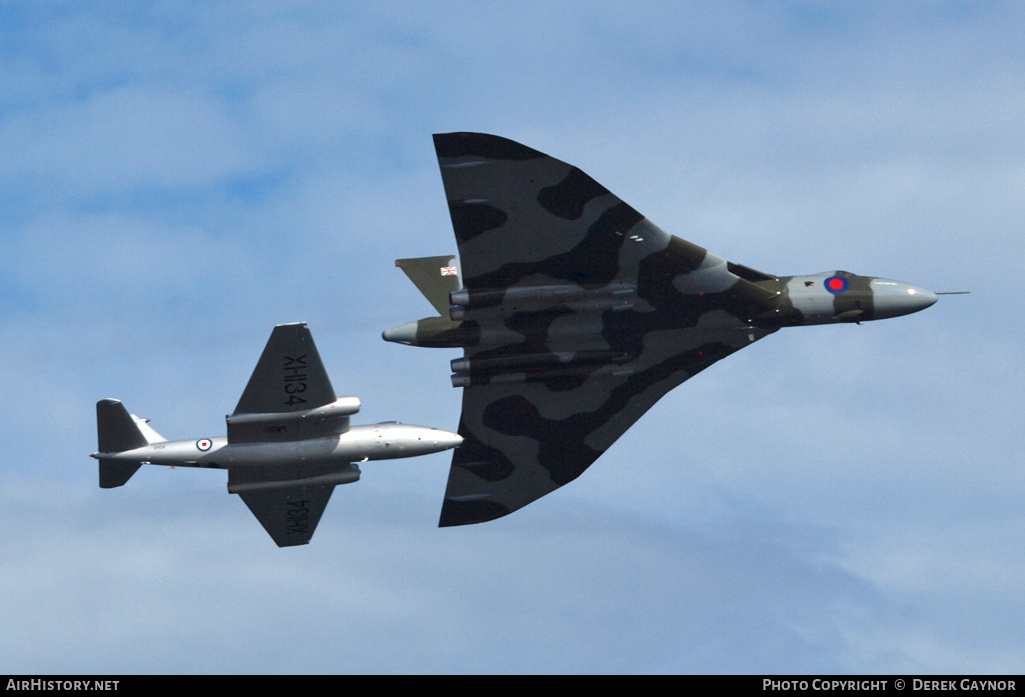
x,y
577,314
651,312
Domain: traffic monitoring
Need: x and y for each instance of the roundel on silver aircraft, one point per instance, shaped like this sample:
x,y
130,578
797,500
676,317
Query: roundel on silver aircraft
x,y
204,444
837,285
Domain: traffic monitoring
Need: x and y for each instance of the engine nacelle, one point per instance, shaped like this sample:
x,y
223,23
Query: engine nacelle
x,y
571,371
345,476
474,302
343,406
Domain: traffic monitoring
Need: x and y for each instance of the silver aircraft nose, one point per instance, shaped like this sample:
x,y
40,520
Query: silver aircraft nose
x,y
894,298
447,439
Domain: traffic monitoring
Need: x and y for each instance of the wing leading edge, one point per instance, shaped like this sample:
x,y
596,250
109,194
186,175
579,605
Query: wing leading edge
x,y
587,315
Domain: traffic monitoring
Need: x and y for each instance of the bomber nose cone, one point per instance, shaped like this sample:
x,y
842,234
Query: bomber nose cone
x,y
893,298
922,298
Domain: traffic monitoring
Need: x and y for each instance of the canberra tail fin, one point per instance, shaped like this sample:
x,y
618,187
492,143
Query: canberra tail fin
x,y
117,431
436,277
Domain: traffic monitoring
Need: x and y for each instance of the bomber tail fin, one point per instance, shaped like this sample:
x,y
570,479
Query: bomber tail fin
x,y
435,277
117,431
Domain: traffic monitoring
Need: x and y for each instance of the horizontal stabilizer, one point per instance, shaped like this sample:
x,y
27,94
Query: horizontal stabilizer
x,y
115,473
116,430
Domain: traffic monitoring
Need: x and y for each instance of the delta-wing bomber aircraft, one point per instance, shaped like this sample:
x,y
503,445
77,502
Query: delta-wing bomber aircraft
x,y
576,314
289,441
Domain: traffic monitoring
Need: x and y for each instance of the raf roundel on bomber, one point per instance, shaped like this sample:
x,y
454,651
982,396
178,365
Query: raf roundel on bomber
x,y
576,314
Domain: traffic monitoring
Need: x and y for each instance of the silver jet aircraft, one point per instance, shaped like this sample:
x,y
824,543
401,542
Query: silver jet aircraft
x,y
576,314
289,441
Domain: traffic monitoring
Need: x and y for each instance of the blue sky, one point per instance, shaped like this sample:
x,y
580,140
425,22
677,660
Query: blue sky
x,y
177,179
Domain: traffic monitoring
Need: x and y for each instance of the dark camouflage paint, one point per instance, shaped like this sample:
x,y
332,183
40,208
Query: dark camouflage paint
x,y
554,381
